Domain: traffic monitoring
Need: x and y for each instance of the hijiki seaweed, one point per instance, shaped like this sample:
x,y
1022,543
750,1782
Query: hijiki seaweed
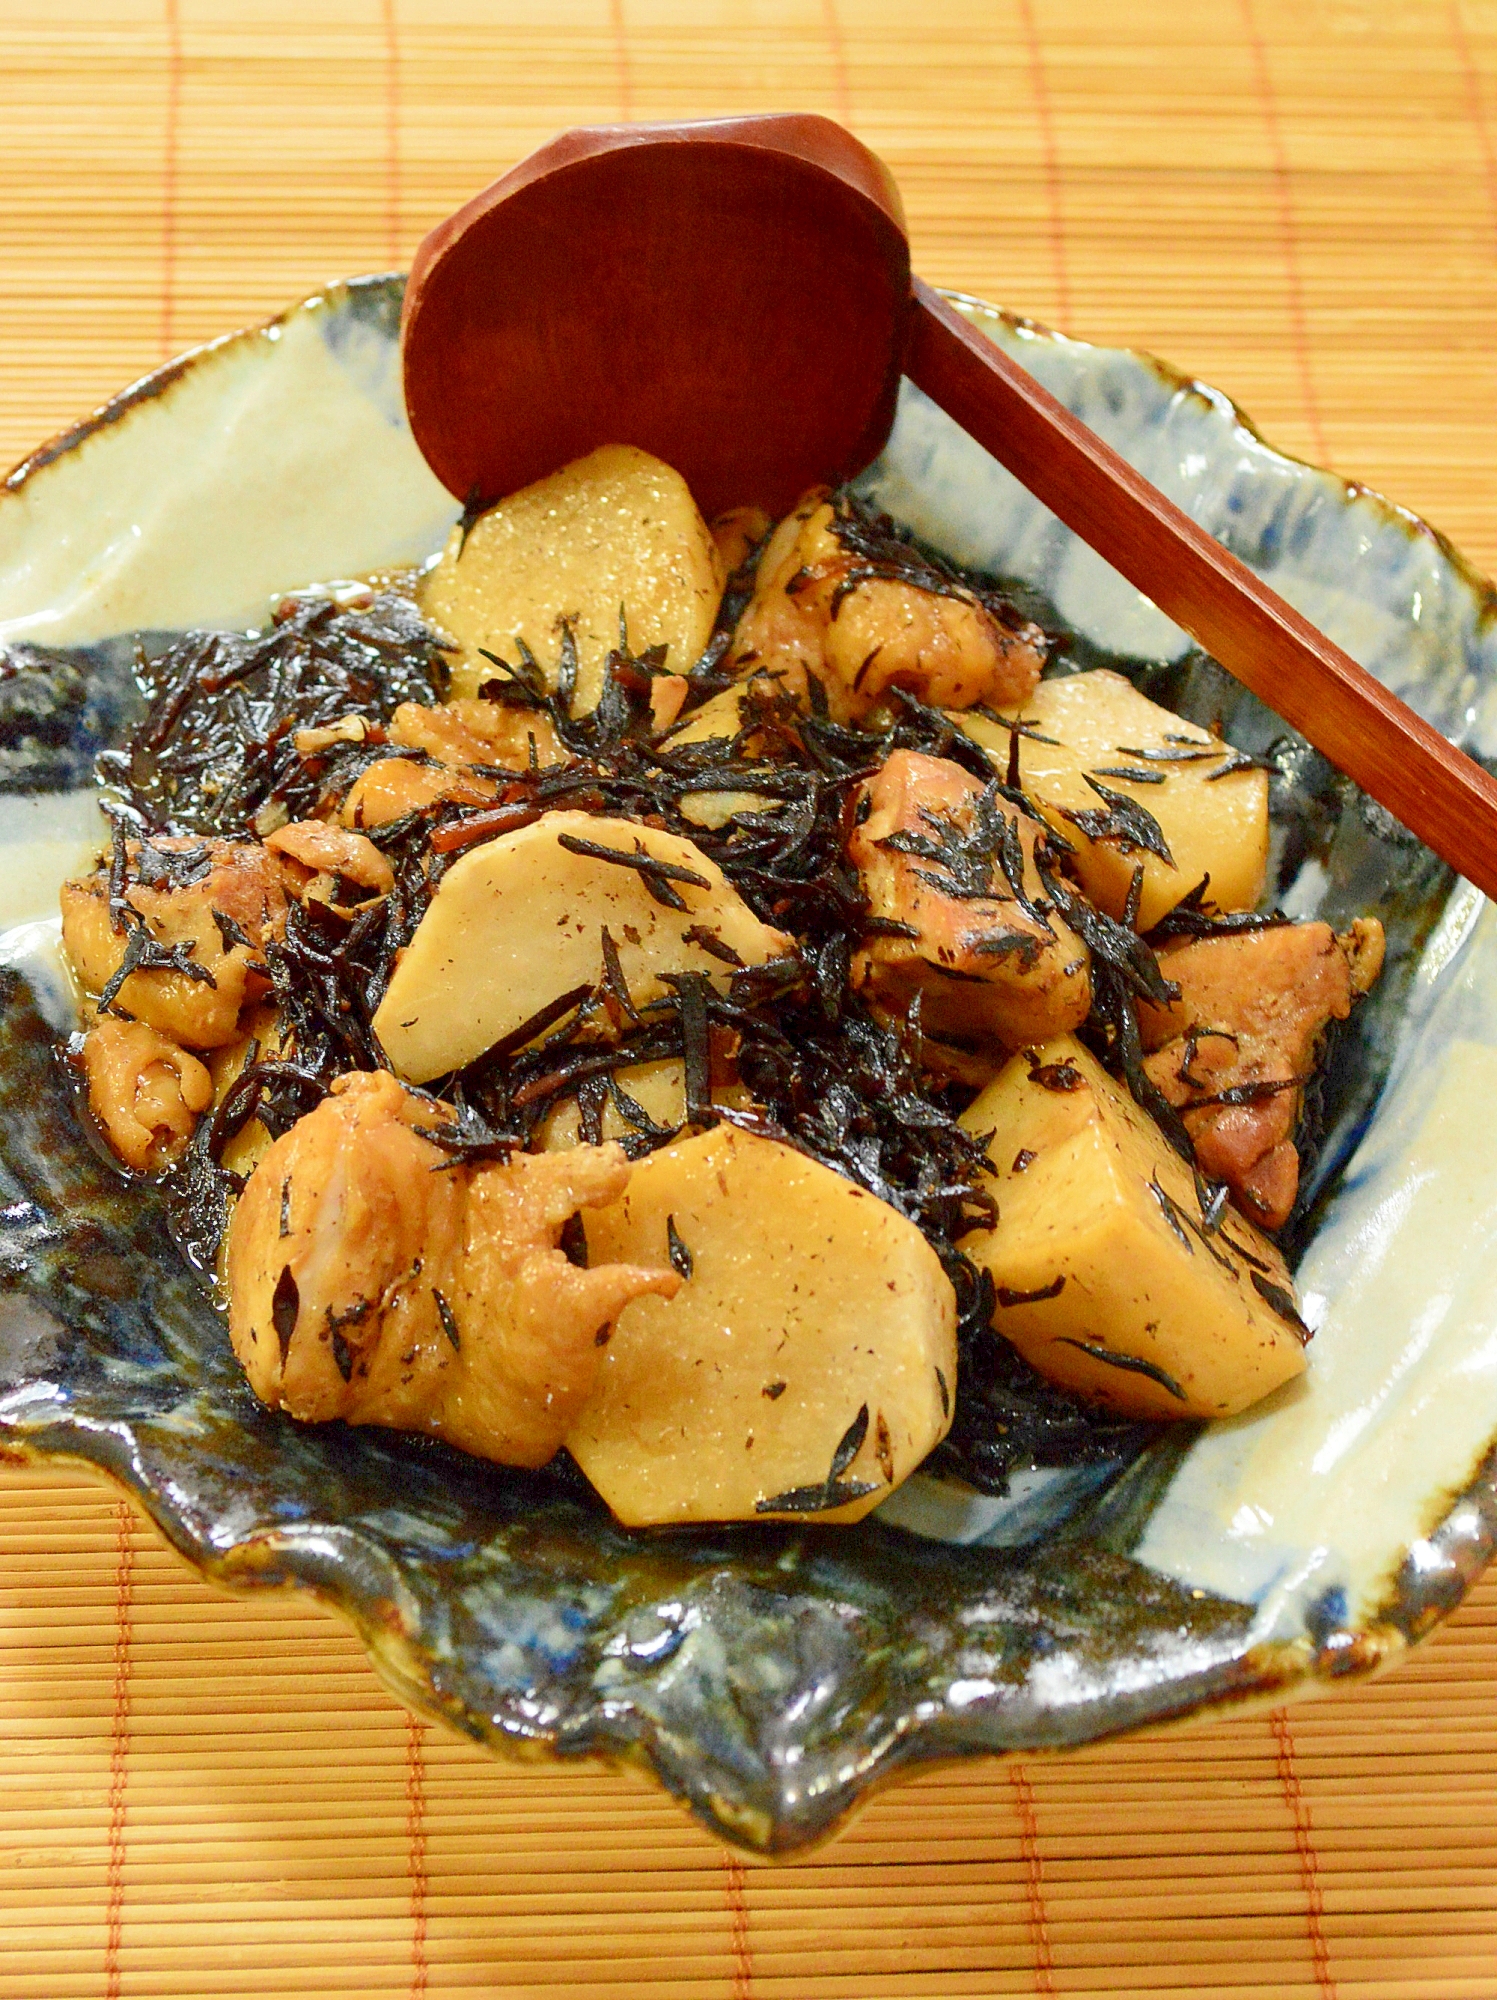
x,y
809,1064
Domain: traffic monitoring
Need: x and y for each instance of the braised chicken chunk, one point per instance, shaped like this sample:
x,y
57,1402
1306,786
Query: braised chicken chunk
x,y
191,914
374,1277
325,736
394,786
145,1092
957,910
331,864
432,749
1236,1050
472,731
849,605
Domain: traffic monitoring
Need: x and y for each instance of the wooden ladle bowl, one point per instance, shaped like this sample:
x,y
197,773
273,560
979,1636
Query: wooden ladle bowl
x,y
735,296
730,296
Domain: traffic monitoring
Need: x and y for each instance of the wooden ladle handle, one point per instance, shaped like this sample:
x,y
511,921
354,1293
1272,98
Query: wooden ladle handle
x,y
1395,755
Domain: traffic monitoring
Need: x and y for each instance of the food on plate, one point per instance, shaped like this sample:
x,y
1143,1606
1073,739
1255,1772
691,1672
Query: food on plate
x,y
956,909
614,533
723,1005
809,1366
1130,786
376,1277
1111,1273
472,976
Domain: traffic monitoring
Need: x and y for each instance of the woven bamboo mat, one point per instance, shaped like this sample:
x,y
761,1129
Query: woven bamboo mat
x,y
1295,198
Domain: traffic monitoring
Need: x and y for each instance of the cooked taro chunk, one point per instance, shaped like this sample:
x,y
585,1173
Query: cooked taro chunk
x,y
841,599
730,718
264,1037
1108,1274
1132,787
805,1301
614,534
520,924
373,1278
647,1097
183,919
144,1091
1235,1051
957,910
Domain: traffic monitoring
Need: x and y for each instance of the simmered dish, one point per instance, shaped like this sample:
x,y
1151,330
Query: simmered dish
x,y
719,1003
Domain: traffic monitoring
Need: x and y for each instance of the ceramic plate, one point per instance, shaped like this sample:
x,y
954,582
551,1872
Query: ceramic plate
x,y
768,1675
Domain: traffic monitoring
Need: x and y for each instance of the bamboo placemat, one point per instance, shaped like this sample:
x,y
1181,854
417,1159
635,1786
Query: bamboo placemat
x,y
1295,198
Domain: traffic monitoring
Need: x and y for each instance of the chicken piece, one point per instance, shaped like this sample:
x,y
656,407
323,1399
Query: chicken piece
x,y
460,733
347,729
333,1251
145,1092
210,903
534,1325
395,786
1236,1050
861,623
781,631
325,859
371,1277
932,849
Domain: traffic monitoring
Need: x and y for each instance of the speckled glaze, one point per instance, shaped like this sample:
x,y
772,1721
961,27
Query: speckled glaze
x,y
769,1675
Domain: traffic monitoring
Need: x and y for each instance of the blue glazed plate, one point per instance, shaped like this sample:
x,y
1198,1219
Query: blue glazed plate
x,y
769,1675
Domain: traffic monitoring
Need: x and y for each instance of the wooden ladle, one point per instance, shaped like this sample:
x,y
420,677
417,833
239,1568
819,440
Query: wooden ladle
x,y
736,297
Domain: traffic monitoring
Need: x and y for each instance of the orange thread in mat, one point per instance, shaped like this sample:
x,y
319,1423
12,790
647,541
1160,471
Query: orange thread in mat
x,y
841,79
738,1931
1299,325
1050,160
415,1848
119,1746
169,141
1034,1879
392,133
623,68
1473,100
1304,1846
